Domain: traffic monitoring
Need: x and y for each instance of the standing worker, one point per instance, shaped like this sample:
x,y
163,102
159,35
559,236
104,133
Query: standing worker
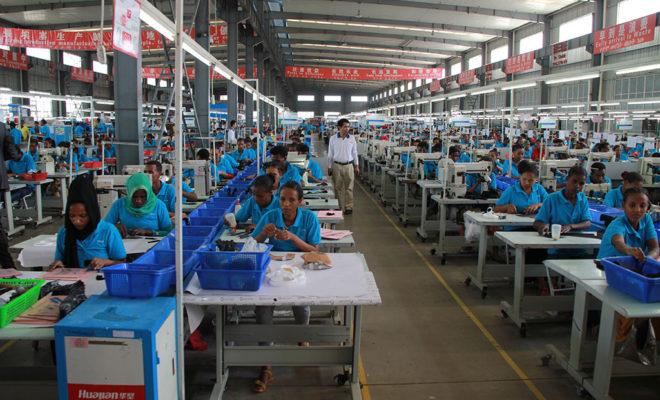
x,y
7,152
16,134
231,134
343,165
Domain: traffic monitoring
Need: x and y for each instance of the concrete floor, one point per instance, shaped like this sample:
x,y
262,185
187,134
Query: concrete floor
x,y
432,338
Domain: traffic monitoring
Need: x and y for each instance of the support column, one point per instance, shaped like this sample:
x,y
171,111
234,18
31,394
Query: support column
x,y
510,41
61,87
545,68
128,108
202,85
249,73
259,53
232,58
597,59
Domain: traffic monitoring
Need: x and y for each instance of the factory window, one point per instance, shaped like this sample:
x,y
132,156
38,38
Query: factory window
x,y
455,69
410,85
306,97
531,43
402,88
627,10
43,107
358,99
71,60
418,82
162,83
100,68
330,98
4,48
575,28
151,81
44,54
223,97
499,54
429,80
396,90
474,62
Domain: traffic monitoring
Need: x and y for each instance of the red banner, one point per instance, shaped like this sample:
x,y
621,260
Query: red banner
x,y
166,73
559,51
363,74
467,77
519,63
82,75
65,40
435,86
640,30
13,60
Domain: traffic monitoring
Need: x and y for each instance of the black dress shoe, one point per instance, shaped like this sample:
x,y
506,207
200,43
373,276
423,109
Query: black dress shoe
x,y
348,211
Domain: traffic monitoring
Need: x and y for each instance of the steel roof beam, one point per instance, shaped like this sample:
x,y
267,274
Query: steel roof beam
x,y
368,47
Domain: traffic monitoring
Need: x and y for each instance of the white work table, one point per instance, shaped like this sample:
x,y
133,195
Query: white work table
x,y
522,241
12,228
68,177
39,203
321,204
319,193
348,283
431,225
324,245
39,251
495,272
444,245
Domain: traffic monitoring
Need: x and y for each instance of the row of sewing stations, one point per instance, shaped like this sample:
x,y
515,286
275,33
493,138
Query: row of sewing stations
x,y
337,294
430,191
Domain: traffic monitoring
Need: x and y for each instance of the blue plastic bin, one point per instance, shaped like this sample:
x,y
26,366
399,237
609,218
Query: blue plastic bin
x,y
231,279
205,221
132,280
209,258
199,231
166,257
189,243
634,284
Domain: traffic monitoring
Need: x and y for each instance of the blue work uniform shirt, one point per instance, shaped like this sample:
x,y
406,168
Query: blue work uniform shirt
x,y
556,209
631,236
167,195
515,195
23,166
306,226
16,136
472,179
46,131
514,169
315,169
184,187
157,220
105,242
79,131
598,193
251,210
614,198
150,143
292,174
35,156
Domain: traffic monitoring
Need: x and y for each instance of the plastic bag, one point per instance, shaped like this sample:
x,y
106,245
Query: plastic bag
x,y
640,344
472,232
252,246
231,219
287,275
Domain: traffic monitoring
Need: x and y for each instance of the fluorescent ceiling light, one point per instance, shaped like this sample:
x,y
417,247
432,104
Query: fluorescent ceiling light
x,y
525,108
571,79
482,92
644,102
152,22
491,111
337,46
195,54
437,100
222,72
609,104
638,69
594,113
573,106
458,96
378,26
519,86
546,107
644,112
106,102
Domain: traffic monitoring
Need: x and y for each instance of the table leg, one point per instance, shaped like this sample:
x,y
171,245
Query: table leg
x,y
221,372
64,191
422,229
443,232
11,228
604,353
578,330
483,247
40,216
405,203
514,311
357,335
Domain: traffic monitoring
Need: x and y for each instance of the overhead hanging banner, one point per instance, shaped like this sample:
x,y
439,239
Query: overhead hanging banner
x,y
559,52
126,27
166,73
467,77
519,63
82,75
363,74
435,86
640,30
9,59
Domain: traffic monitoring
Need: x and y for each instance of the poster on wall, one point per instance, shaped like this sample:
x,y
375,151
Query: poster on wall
x,y
82,75
467,77
126,27
11,60
559,52
435,86
362,74
631,33
519,63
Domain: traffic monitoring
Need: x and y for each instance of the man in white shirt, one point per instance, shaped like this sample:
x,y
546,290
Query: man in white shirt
x,y
231,134
343,165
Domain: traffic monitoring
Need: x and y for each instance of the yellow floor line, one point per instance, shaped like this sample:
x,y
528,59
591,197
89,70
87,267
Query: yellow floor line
x,y
491,339
7,345
362,375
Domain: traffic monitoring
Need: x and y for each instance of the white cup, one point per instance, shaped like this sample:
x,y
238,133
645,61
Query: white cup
x,y
555,229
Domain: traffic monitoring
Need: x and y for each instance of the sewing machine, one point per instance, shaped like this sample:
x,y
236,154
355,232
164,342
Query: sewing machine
x,y
576,153
549,168
393,155
649,167
453,176
486,144
202,175
419,161
591,188
108,188
608,156
554,150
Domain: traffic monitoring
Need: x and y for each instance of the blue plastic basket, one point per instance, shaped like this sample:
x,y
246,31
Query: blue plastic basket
x,y
629,280
231,279
132,280
234,260
205,221
189,243
211,212
166,257
199,231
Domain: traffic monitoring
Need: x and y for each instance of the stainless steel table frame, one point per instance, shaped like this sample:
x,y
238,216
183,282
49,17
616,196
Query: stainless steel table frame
x,y
40,219
12,228
426,226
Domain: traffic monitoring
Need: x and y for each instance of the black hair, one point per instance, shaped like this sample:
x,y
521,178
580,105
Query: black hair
x,y
633,191
632,177
279,150
342,122
295,186
275,164
263,182
232,122
516,147
525,166
203,154
598,165
303,148
159,166
454,149
12,124
240,140
577,171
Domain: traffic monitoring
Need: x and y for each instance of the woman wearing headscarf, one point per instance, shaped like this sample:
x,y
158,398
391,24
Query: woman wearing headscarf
x,y
85,240
140,213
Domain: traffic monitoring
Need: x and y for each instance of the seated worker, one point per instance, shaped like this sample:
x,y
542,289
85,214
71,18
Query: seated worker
x,y
288,228
243,154
314,170
25,131
620,152
614,198
15,133
163,191
598,176
567,207
261,201
528,150
33,151
140,213
474,182
455,154
229,163
85,240
79,130
150,141
525,196
279,154
187,192
516,155
45,130
275,170
25,165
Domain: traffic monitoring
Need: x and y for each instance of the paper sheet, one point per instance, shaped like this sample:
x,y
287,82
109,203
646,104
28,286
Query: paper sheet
x,y
9,273
334,234
68,274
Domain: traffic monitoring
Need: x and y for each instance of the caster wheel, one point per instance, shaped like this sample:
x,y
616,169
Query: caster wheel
x,y
545,360
443,261
433,251
582,392
484,293
341,379
523,330
504,314
467,281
